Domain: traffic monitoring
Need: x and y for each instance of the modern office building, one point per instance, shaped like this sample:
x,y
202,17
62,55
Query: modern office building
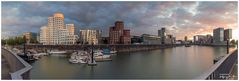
x,y
199,39
165,37
209,39
162,35
151,39
136,39
203,39
117,34
227,34
56,33
218,35
169,39
90,36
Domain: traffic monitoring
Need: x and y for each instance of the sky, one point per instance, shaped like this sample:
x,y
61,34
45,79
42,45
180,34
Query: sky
x,y
179,18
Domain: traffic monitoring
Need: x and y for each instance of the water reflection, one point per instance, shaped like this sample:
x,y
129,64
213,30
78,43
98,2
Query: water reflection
x,y
171,63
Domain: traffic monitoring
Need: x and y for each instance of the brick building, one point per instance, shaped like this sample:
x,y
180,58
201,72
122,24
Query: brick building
x,y
118,35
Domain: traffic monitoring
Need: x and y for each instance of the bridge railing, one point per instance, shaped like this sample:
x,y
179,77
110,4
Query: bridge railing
x,y
209,74
18,67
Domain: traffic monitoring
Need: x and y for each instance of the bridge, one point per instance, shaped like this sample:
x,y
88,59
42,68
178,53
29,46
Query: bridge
x,y
13,66
222,70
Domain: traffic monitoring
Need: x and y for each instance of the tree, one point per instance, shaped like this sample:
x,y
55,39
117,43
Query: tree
x,y
233,42
3,42
32,40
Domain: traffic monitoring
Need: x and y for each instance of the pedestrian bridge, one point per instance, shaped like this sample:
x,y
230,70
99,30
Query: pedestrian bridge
x,y
13,66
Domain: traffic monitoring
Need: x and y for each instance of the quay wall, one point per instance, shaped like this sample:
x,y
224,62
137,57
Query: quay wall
x,y
118,48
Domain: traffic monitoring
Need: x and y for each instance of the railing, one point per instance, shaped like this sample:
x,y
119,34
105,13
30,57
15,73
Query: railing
x,y
18,66
209,74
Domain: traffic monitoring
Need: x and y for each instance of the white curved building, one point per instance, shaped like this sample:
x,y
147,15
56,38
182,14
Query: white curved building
x,y
56,32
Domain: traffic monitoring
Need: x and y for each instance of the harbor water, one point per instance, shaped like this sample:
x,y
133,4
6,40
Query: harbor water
x,y
170,63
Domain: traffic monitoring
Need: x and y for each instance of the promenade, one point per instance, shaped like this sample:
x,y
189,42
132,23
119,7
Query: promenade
x,y
224,69
5,68
13,66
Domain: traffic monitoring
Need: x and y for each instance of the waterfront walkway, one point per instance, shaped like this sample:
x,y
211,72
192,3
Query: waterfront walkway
x,y
225,68
13,66
5,69
234,72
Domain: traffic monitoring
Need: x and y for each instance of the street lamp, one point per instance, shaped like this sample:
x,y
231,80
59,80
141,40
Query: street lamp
x,y
24,45
92,52
227,46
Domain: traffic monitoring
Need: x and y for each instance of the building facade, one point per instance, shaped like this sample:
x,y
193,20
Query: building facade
x,y
227,34
117,34
162,35
165,37
151,39
56,32
169,39
44,35
90,36
218,35
28,35
70,28
203,39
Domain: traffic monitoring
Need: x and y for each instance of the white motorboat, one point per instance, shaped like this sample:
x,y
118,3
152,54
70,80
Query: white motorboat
x,y
98,53
106,56
113,52
41,54
73,61
57,52
78,57
83,61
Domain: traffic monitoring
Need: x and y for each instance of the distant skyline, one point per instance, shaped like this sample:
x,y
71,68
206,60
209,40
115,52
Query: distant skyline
x,y
180,18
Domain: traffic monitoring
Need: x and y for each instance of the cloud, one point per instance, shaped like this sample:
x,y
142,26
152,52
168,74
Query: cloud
x,y
140,17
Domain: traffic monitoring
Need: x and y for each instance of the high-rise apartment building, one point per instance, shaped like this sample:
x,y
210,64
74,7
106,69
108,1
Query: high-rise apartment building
x,y
118,35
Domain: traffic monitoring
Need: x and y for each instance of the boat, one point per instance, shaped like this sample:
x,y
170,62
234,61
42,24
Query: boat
x,y
57,52
98,53
78,57
82,61
43,54
74,61
113,52
107,51
36,57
